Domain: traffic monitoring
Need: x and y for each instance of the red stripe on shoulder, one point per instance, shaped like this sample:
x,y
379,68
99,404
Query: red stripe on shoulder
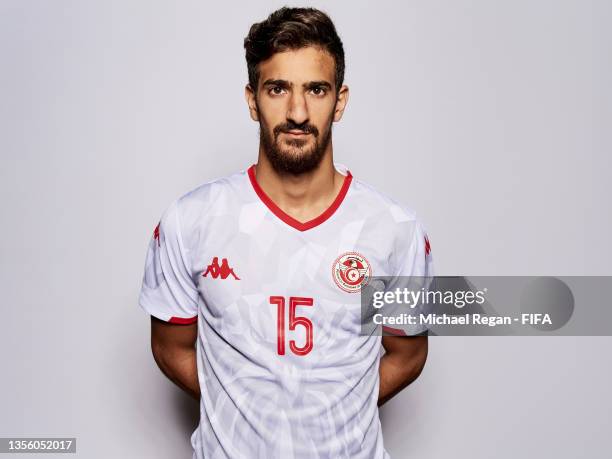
x,y
427,245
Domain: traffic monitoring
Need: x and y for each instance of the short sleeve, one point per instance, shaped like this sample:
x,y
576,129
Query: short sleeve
x,y
415,272
418,260
168,290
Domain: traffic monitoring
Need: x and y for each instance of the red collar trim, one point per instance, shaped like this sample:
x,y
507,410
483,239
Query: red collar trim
x,y
288,219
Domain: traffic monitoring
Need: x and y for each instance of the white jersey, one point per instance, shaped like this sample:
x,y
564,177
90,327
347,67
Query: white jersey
x,y
283,369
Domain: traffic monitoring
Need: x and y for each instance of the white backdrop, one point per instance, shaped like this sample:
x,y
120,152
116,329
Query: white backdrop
x,y
490,119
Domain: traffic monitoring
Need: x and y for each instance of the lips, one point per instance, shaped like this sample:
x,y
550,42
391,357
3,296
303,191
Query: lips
x,y
296,132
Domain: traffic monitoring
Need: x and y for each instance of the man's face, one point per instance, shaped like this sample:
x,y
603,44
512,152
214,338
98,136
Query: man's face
x,y
296,104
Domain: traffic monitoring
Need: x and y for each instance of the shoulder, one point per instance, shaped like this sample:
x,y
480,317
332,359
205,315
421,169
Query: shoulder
x,y
398,220
207,193
371,197
198,201
191,209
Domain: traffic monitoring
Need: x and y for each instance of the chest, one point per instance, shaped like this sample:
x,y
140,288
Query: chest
x,y
232,260
272,280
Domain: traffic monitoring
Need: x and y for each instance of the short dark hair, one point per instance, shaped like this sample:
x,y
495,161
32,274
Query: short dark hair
x,y
289,29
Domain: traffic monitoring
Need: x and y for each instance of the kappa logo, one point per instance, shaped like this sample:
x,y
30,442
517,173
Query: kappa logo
x,y
156,234
351,271
223,270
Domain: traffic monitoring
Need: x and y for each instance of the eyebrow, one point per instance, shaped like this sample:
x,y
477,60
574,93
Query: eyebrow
x,y
308,85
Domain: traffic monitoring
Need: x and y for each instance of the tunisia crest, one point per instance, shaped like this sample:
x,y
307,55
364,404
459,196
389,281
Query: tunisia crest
x,y
351,271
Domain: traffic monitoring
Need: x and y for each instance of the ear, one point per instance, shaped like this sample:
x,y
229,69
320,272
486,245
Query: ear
x,y
341,101
250,97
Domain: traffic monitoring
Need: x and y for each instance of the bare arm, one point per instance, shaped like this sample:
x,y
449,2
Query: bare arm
x,y
174,351
402,363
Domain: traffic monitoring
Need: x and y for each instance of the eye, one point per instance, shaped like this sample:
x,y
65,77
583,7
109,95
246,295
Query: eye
x,y
318,91
276,90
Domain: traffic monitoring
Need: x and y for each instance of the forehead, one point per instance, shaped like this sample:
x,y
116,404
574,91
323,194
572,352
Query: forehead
x,y
299,66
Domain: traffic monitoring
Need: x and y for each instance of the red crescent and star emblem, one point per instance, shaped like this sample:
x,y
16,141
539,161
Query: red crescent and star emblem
x,y
351,271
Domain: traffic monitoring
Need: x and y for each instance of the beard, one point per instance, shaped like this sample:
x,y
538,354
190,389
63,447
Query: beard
x,y
294,156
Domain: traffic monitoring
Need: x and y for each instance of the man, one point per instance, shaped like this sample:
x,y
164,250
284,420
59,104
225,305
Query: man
x,y
253,280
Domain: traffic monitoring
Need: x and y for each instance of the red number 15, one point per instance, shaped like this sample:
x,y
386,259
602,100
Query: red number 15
x,y
294,321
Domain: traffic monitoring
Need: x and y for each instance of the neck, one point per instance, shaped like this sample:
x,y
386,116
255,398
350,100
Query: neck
x,y
303,196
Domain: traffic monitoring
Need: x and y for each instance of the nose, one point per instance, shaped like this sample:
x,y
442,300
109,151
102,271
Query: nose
x,y
298,110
